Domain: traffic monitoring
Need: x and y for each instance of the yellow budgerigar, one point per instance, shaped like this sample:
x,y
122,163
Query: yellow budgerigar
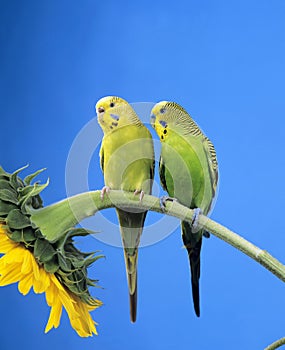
x,y
127,161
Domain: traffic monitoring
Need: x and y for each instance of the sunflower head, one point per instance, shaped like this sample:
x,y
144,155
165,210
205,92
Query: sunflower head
x,y
59,257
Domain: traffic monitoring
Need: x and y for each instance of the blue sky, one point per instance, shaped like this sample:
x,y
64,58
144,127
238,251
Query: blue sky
x,y
224,62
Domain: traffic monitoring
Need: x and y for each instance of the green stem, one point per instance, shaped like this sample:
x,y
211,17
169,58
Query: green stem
x,y
276,344
54,220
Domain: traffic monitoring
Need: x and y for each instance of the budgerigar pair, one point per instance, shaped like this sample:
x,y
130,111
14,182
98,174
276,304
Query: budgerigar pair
x,y
188,172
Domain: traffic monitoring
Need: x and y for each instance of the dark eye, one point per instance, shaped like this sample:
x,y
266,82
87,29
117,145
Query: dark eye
x,y
112,104
163,110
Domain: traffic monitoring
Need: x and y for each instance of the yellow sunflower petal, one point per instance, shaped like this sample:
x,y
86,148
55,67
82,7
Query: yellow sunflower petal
x,y
25,284
11,276
41,284
54,317
6,245
19,265
50,294
86,323
27,265
36,269
14,256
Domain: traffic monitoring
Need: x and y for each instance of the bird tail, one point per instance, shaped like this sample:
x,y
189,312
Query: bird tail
x,y
131,269
131,225
193,242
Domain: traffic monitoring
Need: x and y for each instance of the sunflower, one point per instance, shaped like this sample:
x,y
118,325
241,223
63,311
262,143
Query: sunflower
x,y
56,268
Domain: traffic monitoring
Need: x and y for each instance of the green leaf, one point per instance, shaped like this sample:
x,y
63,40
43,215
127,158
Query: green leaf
x,y
16,220
43,250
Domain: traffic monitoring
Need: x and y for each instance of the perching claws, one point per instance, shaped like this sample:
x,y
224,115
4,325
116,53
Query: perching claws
x,y
195,219
163,200
206,234
104,190
140,192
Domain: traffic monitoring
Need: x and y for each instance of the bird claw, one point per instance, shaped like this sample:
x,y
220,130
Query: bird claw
x,y
163,200
140,192
195,219
104,190
206,234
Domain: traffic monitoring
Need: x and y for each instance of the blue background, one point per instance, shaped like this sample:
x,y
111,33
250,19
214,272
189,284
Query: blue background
x,y
224,62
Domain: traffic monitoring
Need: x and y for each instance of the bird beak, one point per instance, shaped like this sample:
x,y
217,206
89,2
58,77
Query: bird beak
x,y
100,113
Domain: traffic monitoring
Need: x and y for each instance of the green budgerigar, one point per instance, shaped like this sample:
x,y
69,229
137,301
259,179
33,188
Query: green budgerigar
x,y
188,172
127,161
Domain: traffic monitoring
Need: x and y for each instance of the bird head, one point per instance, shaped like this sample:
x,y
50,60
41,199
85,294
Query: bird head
x,y
167,116
114,112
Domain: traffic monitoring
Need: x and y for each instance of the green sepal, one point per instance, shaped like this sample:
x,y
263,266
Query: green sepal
x,y
28,235
51,266
17,220
3,173
64,263
4,184
5,208
31,191
17,235
28,179
8,195
92,259
15,181
43,250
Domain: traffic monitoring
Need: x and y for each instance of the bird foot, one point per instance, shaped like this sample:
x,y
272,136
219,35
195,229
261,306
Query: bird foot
x,y
195,219
163,200
140,192
104,190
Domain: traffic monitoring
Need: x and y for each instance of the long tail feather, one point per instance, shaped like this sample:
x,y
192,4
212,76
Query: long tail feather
x,y
131,268
193,243
131,225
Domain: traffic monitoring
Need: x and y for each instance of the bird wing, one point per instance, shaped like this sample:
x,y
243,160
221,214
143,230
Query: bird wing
x,y
212,162
101,154
162,174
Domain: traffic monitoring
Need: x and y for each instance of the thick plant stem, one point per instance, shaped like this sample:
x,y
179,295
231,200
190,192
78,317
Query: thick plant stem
x,y
55,219
276,344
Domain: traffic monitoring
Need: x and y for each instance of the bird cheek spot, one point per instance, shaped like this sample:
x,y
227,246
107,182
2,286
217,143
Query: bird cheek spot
x,y
163,123
114,116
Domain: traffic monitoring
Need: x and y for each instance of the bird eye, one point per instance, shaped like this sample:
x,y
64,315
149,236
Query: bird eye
x,y
112,104
162,110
